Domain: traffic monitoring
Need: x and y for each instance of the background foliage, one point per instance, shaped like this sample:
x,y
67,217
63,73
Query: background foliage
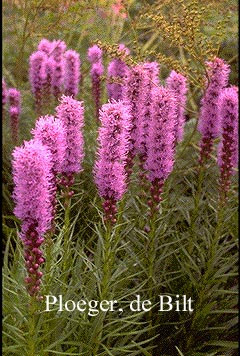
x,y
199,260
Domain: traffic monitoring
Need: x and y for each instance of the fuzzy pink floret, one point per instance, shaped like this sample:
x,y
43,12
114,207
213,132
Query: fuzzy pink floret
x,y
160,140
131,93
113,139
14,97
4,93
150,81
94,54
117,69
32,192
37,70
209,119
51,132
71,72
45,46
228,146
71,113
178,84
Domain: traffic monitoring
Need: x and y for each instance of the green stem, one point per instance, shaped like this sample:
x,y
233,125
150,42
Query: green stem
x,y
195,214
104,287
66,237
32,327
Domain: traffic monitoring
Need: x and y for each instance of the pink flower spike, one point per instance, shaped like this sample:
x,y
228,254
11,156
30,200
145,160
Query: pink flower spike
x,y
45,46
117,70
160,140
209,119
32,195
109,169
228,146
71,114
178,84
94,54
37,75
71,72
52,133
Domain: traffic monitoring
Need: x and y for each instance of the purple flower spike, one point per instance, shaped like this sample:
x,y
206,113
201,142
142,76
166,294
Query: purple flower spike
x,y
131,94
71,72
160,140
32,195
228,146
94,54
178,84
209,119
58,49
57,78
14,97
117,70
37,76
97,69
71,113
45,46
109,170
150,81
51,132
4,95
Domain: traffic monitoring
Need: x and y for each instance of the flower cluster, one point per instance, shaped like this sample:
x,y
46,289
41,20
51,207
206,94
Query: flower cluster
x,y
4,96
117,70
97,69
72,72
160,140
178,84
228,146
131,94
32,195
14,97
209,119
109,170
71,113
150,81
53,70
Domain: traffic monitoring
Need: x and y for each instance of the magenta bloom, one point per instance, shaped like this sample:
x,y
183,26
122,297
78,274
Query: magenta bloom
x,y
14,97
109,170
37,75
228,146
209,119
178,84
117,70
45,46
94,54
47,79
58,49
149,82
32,196
4,93
97,69
71,72
51,132
57,78
131,95
71,113
160,140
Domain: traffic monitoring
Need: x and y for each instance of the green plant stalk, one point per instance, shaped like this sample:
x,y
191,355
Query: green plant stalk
x,y
48,261
150,263
196,208
108,258
66,236
32,327
209,270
